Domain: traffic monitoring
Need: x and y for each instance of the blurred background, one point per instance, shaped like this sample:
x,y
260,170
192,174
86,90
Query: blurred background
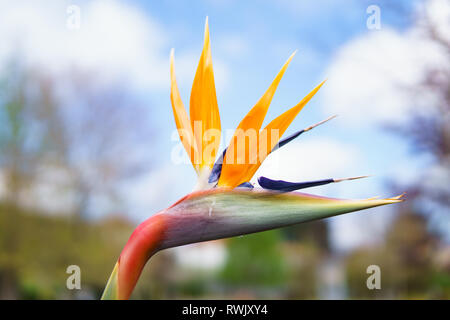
x,y
88,147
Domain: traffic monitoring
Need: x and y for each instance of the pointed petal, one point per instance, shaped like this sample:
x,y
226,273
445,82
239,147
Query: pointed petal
x,y
246,185
204,111
286,186
217,168
181,118
298,133
240,150
255,117
282,122
237,174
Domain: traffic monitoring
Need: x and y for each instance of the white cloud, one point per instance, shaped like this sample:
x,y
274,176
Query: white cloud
x,y
116,41
439,12
372,76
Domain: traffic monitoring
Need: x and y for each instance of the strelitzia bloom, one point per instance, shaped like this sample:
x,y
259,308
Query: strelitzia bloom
x,y
224,203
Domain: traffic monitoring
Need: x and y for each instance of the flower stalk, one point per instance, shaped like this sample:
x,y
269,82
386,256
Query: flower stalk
x,y
220,213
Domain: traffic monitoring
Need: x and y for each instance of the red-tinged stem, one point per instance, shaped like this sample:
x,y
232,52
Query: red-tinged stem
x,y
143,243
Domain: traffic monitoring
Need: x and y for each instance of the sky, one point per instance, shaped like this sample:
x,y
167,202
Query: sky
x,y
129,42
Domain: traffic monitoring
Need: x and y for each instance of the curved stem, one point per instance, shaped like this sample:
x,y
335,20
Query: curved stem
x,y
143,243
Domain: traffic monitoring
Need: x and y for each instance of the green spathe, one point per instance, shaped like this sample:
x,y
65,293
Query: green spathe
x,y
221,213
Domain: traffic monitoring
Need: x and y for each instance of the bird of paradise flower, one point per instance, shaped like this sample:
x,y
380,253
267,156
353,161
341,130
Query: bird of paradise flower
x,y
224,203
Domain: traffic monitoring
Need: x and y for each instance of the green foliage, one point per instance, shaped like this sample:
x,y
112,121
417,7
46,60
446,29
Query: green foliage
x,y
46,246
303,263
255,260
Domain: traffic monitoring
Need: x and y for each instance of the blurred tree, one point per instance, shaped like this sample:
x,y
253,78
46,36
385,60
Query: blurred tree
x,y
306,247
429,194
407,255
72,130
17,161
303,261
406,260
411,246
315,233
68,143
429,132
